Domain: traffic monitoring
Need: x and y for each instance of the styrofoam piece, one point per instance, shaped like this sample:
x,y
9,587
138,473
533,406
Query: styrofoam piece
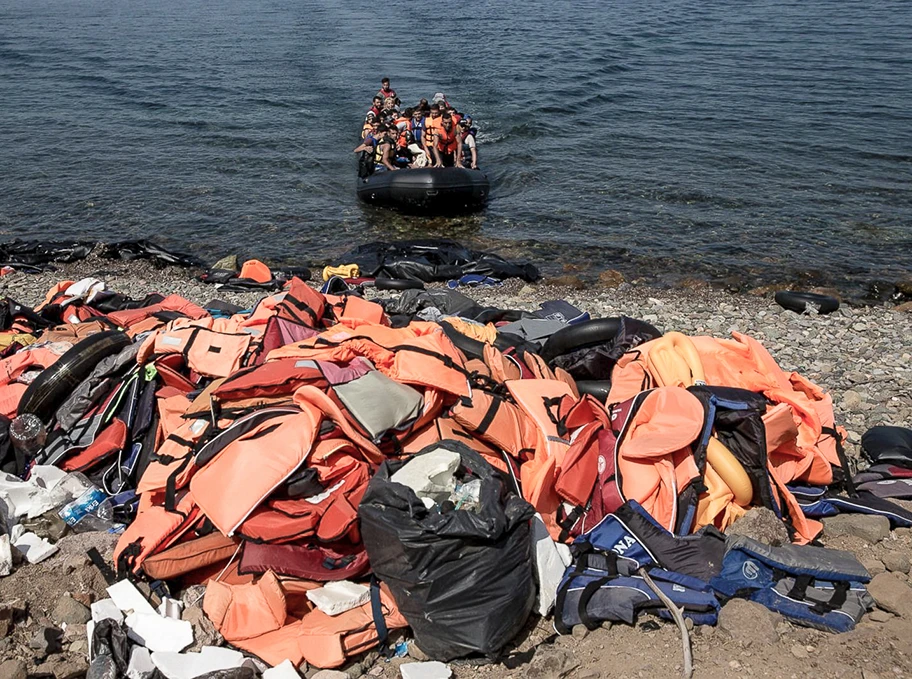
x,y
159,634
430,474
339,596
33,548
141,665
170,608
128,598
190,665
425,670
90,633
551,560
46,476
284,670
6,556
106,609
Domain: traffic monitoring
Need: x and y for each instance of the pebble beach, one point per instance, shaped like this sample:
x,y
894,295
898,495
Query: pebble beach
x,y
862,356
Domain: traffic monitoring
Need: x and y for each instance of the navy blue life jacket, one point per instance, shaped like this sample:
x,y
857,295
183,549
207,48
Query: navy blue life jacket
x,y
817,503
603,582
811,586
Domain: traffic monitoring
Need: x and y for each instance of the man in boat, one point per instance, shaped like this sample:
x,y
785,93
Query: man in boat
x,y
468,150
376,108
381,146
431,124
386,91
446,143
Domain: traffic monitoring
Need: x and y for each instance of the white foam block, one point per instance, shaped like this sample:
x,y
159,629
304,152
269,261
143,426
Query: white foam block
x,y
128,598
190,665
159,634
425,670
141,665
33,548
104,609
340,596
285,670
6,556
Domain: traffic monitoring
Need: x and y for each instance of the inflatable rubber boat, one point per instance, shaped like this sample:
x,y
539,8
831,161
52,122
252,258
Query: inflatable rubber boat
x,y
441,191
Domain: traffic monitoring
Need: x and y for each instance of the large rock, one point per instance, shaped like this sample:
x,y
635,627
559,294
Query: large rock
x,y
891,594
45,641
611,278
551,663
872,529
70,611
749,622
328,674
204,632
896,560
762,525
569,281
13,669
64,667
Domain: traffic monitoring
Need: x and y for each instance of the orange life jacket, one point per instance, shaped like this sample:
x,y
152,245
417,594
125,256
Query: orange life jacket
x,y
447,141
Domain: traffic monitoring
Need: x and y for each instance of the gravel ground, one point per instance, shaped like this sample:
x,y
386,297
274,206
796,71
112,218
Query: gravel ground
x,y
861,355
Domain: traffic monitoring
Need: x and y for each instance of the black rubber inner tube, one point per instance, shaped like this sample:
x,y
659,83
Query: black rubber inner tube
x,y
799,301
597,388
398,284
54,384
578,335
470,346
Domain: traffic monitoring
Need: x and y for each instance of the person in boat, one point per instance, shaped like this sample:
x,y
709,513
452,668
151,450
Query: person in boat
x,y
446,143
390,111
468,149
431,124
416,126
376,108
440,99
386,91
382,147
424,107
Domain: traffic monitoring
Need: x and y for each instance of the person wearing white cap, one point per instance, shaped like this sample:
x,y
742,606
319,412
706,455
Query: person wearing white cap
x,y
439,98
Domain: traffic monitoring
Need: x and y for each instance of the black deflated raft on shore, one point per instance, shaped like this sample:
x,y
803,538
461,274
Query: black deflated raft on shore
x,y
441,191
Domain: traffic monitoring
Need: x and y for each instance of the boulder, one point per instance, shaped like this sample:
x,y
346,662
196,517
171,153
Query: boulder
x,y
895,561
611,278
891,594
45,641
551,663
749,622
70,612
13,669
568,281
872,529
762,525
64,667
204,632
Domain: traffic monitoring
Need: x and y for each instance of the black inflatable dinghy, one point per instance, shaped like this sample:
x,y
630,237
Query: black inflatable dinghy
x,y
440,191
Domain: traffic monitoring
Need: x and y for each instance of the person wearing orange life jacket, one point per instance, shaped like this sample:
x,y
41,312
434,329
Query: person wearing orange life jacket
x,y
446,144
431,122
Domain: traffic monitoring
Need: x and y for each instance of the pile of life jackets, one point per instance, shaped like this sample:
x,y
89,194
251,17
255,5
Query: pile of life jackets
x,y
237,448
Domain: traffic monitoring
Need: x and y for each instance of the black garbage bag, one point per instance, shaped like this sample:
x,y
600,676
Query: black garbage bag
x,y
432,260
110,651
37,255
145,249
463,579
886,444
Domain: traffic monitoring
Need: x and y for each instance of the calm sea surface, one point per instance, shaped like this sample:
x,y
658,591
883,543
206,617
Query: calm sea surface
x,y
762,141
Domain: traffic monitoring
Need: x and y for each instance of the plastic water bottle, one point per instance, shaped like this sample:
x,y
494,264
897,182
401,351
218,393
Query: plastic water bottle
x,y
90,511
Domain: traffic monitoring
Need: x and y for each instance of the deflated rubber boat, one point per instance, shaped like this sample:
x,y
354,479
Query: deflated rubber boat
x,y
437,191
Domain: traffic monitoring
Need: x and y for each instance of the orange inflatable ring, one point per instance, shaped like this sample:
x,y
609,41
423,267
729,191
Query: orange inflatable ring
x,y
673,361
730,471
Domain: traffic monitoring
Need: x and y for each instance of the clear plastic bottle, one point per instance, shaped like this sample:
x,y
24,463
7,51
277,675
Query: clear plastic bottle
x,y
467,495
92,510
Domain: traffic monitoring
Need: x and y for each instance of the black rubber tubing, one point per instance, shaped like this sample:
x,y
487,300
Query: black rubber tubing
x,y
572,337
799,301
398,284
53,385
597,388
471,347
